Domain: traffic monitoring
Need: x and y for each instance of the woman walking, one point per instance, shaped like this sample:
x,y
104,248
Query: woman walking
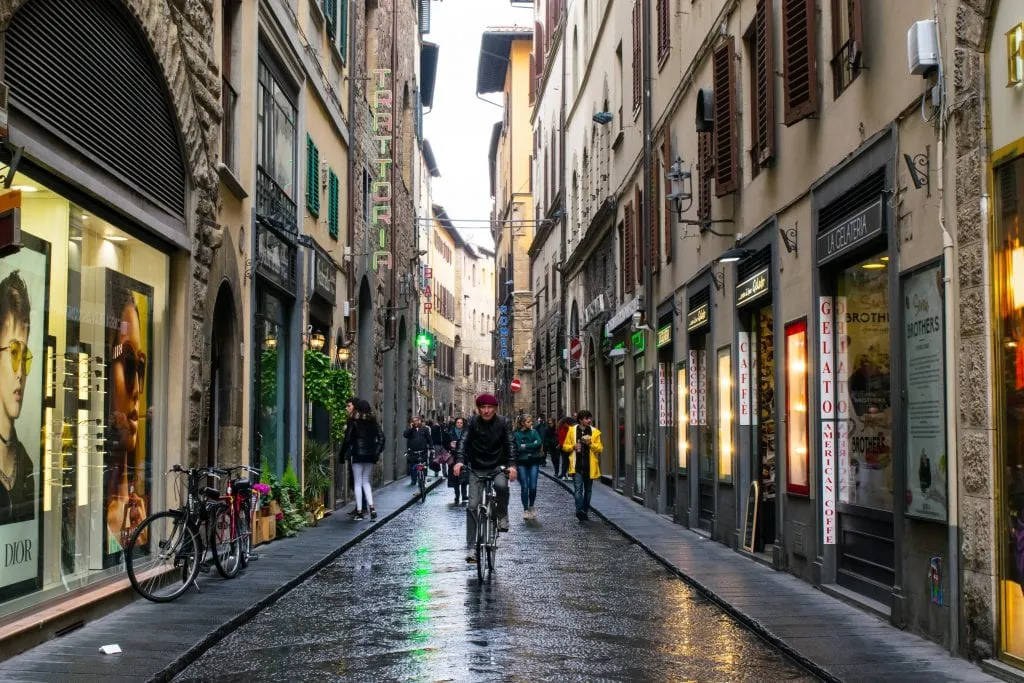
x,y
528,460
363,444
550,441
459,483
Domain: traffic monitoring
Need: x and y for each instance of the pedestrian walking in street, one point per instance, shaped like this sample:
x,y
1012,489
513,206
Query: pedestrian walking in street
x,y
550,441
529,457
362,445
564,425
418,442
458,482
440,464
487,446
583,445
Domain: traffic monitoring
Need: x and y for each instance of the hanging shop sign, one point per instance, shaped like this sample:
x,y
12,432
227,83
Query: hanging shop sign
x,y
638,341
503,345
746,407
324,276
698,318
620,316
383,106
664,396
428,293
664,335
924,388
827,413
754,287
1015,56
850,233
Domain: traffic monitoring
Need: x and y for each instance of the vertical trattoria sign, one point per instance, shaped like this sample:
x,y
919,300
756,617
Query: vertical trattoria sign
x,y
383,107
428,293
826,397
503,351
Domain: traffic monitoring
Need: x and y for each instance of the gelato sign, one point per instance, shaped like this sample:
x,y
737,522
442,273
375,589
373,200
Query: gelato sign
x,y
850,233
752,288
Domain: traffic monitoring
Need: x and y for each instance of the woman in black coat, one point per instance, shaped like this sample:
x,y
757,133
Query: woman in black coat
x,y
363,444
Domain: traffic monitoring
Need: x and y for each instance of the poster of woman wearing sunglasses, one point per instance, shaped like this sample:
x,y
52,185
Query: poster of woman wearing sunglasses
x,y
23,278
127,470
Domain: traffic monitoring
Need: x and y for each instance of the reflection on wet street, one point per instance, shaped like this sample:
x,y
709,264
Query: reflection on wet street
x,y
569,601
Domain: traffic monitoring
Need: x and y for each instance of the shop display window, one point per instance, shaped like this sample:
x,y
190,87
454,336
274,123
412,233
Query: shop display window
x,y
797,455
725,416
83,324
682,420
1009,273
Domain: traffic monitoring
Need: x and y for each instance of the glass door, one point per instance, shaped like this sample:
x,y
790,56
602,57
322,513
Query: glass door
x,y
641,425
620,426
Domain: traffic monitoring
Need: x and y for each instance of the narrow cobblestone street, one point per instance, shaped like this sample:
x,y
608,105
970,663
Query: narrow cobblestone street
x,y
568,602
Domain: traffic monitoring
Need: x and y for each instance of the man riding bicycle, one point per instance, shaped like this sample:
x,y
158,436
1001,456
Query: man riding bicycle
x,y
418,444
486,447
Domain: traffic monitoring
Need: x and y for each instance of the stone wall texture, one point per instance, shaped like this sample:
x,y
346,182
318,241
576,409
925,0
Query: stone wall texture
x,y
180,34
974,363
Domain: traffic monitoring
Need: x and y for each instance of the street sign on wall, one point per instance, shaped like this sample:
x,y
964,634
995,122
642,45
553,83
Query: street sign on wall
x,y
515,385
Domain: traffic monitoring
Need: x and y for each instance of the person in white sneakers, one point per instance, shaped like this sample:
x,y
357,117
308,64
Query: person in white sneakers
x,y
529,458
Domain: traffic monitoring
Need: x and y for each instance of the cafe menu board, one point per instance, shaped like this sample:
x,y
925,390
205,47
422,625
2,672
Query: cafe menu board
x,y
923,327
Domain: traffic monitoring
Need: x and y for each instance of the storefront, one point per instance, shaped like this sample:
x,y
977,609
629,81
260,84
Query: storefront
x,y
90,315
666,431
702,456
856,393
617,330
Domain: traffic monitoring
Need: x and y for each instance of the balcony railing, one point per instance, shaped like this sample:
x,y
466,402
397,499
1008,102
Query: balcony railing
x,y
845,67
273,205
229,102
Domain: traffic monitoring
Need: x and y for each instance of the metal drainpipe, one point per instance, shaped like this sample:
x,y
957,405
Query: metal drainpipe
x,y
564,342
646,239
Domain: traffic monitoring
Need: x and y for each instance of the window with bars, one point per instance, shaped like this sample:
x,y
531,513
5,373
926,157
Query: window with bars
x,y
800,73
759,39
637,57
333,209
847,43
726,130
312,177
664,35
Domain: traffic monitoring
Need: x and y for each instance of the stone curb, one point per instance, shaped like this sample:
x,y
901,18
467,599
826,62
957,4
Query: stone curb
x,y
745,619
193,653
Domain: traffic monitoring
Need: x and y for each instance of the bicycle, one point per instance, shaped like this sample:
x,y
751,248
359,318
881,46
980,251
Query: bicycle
x,y
232,525
421,470
487,526
172,545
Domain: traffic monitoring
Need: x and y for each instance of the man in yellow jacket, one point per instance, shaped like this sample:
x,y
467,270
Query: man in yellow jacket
x,y
583,444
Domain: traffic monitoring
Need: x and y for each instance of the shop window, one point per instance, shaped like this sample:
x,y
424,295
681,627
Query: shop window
x,y
682,421
847,43
725,416
83,331
797,452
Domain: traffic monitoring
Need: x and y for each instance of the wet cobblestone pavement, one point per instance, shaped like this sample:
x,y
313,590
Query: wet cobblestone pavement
x,y
569,602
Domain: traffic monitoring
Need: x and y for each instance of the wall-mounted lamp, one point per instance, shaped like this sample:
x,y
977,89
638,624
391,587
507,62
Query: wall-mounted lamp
x,y
718,279
733,255
317,341
789,238
344,354
918,167
682,187
270,343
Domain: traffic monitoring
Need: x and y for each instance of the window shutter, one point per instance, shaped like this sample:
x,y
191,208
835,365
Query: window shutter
x,y
666,161
424,16
332,204
800,81
627,251
638,238
857,29
312,177
765,85
726,150
637,46
663,28
705,170
330,8
343,31
533,79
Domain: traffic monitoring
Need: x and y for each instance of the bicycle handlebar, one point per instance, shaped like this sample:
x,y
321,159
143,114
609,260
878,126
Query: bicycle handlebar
x,y
208,471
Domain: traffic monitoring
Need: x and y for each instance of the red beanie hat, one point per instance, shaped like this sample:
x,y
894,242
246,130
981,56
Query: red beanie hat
x,y
486,400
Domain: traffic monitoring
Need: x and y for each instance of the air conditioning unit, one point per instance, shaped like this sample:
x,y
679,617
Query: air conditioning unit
x,y
923,47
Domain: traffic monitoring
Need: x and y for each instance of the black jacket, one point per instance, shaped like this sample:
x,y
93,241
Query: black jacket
x,y
550,439
437,435
18,504
487,445
418,439
364,441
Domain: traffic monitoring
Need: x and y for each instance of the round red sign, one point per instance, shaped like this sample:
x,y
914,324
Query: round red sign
x,y
515,384
575,349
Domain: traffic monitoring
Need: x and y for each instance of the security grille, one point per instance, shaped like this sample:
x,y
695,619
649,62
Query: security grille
x,y
80,69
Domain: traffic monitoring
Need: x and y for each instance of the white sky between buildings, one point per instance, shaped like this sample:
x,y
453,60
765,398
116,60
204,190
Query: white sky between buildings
x,y
459,126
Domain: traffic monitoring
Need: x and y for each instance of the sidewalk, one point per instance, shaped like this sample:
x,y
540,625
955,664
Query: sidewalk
x,y
160,640
831,638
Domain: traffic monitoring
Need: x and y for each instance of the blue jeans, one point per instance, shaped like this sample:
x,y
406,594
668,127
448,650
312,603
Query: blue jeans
x,y
528,483
583,486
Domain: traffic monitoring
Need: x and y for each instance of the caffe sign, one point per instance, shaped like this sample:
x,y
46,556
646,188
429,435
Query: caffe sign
x,y
850,233
325,276
697,318
753,287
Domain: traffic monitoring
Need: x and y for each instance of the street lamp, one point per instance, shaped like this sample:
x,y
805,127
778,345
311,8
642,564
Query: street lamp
x,y
344,354
682,187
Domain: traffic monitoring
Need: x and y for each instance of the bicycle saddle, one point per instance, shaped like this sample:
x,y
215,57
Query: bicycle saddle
x,y
211,493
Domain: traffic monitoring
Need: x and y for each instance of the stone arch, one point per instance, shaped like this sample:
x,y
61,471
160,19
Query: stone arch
x,y
365,353
222,442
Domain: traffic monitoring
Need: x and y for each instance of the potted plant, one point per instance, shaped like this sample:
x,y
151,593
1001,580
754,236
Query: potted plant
x,y
317,461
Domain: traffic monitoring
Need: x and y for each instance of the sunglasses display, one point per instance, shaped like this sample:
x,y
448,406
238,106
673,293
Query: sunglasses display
x,y
133,362
21,357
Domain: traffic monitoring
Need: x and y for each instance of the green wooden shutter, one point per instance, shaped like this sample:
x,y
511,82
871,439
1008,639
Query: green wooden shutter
x,y
343,32
331,15
332,204
312,177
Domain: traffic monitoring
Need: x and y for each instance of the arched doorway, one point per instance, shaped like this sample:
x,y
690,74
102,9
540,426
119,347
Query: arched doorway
x,y
364,341
223,410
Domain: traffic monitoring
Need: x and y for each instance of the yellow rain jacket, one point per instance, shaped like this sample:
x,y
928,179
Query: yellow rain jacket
x,y
595,451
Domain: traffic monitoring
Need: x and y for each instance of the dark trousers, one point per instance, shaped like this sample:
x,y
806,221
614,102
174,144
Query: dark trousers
x,y
561,459
582,488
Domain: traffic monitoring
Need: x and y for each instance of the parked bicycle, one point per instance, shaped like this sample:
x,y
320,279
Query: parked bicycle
x,y
168,549
487,526
231,532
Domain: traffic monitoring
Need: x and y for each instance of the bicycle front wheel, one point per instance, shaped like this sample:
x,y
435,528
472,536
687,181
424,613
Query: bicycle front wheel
x,y
423,485
161,556
244,536
224,542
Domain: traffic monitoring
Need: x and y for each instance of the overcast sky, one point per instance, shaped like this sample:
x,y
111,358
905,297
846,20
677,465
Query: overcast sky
x,y
459,126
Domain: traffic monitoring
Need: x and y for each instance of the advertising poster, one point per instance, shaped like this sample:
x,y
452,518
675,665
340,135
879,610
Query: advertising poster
x,y
127,469
924,386
23,305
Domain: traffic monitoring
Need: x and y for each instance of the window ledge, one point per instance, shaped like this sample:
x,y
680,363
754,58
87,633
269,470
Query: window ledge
x,y
339,59
228,177
663,58
617,142
317,12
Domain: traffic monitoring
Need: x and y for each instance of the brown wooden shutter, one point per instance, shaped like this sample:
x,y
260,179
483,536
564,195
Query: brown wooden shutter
x,y
663,28
637,46
765,84
726,148
638,238
654,222
627,252
705,170
533,78
857,29
666,162
800,79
